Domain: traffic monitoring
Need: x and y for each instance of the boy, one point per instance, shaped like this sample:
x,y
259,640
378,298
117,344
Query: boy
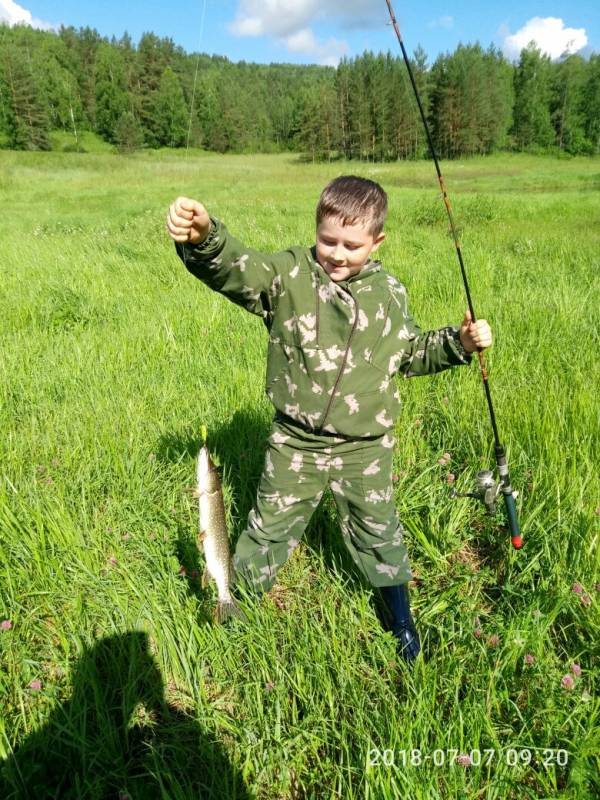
x,y
339,330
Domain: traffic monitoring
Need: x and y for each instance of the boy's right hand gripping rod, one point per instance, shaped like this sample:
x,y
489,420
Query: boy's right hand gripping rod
x,y
507,491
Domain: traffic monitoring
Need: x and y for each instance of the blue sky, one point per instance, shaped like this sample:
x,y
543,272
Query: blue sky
x,y
321,31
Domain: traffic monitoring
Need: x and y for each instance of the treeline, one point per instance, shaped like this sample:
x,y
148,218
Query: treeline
x,y
157,95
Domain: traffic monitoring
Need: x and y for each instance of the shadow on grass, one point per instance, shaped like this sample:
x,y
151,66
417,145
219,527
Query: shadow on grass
x,y
118,737
238,447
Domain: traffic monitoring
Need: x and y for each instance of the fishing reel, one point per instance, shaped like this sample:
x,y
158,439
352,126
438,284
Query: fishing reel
x,y
486,491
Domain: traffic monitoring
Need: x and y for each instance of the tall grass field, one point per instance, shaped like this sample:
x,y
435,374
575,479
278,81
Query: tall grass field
x,y
114,681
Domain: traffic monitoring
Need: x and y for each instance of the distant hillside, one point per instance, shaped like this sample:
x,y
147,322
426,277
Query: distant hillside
x,y
157,95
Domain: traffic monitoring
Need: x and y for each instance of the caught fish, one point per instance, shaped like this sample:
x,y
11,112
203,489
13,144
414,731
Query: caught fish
x,y
213,535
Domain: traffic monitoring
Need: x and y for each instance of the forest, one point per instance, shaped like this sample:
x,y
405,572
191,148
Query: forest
x,y
156,95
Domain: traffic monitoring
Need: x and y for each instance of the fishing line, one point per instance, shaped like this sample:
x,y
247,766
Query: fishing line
x,y
483,479
187,144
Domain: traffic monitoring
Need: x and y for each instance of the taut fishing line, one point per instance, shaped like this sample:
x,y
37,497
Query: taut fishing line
x,y
487,490
187,144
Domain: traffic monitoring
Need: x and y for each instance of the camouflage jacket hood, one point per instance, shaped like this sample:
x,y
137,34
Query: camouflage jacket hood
x,y
334,348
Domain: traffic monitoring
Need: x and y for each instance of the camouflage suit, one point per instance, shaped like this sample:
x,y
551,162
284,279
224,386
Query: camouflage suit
x,y
334,349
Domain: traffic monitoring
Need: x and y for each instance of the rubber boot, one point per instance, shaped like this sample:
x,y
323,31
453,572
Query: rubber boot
x,y
403,626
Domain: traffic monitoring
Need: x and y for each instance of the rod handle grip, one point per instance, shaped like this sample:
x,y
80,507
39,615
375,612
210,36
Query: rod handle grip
x,y
513,523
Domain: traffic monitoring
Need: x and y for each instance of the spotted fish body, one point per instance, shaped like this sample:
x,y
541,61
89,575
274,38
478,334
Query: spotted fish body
x,y
213,534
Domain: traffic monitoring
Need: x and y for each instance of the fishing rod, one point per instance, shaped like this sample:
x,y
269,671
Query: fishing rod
x,y
487,490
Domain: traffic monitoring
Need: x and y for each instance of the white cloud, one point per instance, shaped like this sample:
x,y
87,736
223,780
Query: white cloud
x,y
289,22
549,34
304,42
446,22
12,14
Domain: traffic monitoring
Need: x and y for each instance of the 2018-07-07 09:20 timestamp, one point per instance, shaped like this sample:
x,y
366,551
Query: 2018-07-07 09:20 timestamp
x,y
512,757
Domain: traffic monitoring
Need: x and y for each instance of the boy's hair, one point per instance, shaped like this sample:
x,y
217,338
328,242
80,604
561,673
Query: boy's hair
x,y
354,200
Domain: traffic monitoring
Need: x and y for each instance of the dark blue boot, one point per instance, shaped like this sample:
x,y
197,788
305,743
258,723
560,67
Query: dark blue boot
x,y
403,627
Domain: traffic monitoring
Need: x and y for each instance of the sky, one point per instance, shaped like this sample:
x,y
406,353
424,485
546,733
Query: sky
x,y
323,31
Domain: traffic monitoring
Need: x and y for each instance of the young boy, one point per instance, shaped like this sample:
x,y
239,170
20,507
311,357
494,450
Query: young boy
x,y
339,331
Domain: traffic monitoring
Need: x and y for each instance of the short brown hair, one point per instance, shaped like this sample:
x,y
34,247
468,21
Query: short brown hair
x,y
354,200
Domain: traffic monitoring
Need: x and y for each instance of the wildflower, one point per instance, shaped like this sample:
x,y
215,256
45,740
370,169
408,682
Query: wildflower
x,y
41,468
598,587
567,682
418,422
269,686
152,457
152,536
597,511
5,625
395,477
112,560
35,684
477,633
182,570
576,670
442,462
450,478
464,760
493,640
126,536
577,588
586,599
536,613
529,659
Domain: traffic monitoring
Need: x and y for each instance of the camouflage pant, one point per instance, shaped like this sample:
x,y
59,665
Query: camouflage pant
x,y
298,468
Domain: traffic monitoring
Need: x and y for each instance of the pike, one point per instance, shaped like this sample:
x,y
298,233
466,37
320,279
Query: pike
x,y
213,537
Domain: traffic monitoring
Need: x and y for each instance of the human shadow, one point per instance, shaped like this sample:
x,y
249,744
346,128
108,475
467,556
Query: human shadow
x,y
118,737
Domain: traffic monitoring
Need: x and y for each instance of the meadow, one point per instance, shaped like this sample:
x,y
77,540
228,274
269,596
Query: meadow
x,y
114,682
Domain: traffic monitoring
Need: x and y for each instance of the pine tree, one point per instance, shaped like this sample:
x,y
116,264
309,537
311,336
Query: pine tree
x,y
532,126
128,133
25,118
171,112
112,100
591,103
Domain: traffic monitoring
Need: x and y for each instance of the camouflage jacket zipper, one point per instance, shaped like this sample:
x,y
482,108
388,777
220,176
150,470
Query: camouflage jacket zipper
x,y
319,429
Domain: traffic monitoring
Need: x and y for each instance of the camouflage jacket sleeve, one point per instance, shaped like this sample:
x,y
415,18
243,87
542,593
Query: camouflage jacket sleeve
x,y
247,277
426,352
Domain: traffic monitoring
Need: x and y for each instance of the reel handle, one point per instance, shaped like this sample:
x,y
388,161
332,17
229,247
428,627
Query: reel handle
x,y
511,509
513,522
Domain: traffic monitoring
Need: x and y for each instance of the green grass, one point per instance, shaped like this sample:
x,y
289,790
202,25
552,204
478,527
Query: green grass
x,y
112,358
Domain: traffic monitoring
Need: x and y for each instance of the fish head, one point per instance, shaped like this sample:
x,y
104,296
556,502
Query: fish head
x,y
206,473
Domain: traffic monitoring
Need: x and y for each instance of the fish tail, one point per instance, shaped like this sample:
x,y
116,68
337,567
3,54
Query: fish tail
x,y
226,609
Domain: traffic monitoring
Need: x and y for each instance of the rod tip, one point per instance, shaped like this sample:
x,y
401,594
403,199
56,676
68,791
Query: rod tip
x,y
517,542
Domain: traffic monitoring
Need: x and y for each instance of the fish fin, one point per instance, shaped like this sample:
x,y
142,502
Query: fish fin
x,y
205,578
201,536
225,610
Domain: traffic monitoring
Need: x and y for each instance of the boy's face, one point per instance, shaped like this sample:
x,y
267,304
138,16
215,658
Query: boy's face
x,y
343,250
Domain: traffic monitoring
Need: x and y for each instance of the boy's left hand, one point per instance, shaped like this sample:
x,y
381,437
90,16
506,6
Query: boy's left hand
x,y
475,335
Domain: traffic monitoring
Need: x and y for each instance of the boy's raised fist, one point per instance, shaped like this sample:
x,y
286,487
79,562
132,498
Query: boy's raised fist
x,y
188,221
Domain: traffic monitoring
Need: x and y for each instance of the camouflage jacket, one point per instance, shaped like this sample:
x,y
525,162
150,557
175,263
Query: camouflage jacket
x,y
334,348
